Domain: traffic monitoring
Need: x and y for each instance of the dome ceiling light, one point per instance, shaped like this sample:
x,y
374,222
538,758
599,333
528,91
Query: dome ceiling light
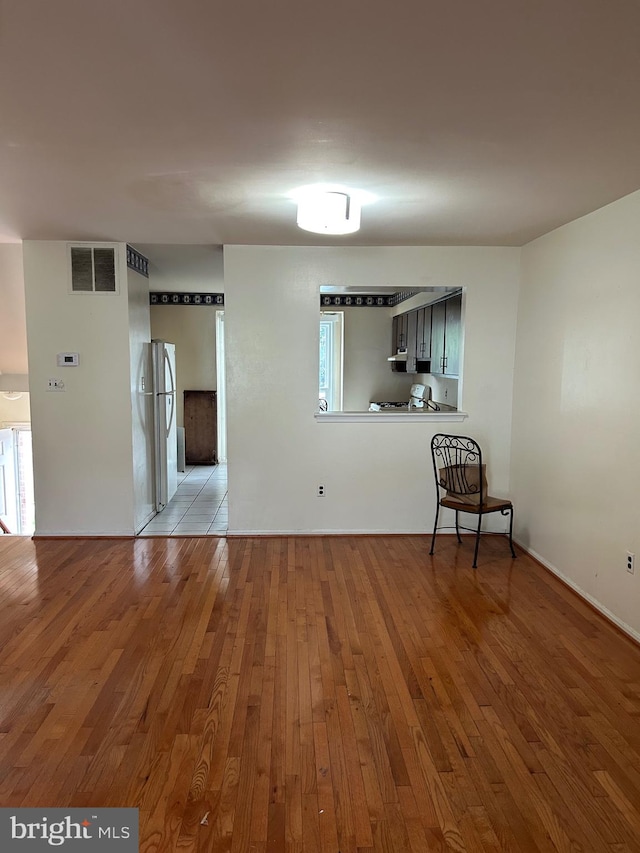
x,y
329,213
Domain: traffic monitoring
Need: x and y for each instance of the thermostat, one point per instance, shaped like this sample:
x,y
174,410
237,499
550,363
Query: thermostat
x,y
68,359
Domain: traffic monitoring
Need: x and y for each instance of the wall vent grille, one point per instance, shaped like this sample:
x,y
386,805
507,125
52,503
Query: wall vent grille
x,y
93,269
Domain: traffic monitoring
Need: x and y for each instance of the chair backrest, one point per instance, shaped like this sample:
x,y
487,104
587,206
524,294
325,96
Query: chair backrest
x,y
458,468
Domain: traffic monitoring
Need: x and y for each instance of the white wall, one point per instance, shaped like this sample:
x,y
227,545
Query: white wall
x,y
192,328
377,475
184,268
576,453
15,411
13,326
13,335
82,438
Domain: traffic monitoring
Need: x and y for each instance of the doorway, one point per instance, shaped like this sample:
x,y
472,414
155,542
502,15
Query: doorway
x,y
17,504
199,506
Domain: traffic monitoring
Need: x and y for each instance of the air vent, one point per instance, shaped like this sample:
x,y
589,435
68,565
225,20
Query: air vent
x,y
93,269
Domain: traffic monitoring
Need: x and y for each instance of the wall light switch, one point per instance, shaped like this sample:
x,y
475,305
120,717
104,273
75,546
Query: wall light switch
x,y
56,385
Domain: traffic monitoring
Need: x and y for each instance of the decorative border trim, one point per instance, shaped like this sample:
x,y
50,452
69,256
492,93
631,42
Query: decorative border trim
x,y
137,262
397,298
369,300
159,298
326,300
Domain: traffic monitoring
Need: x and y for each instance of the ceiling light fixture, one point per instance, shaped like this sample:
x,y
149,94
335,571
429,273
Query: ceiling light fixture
x,y
329,212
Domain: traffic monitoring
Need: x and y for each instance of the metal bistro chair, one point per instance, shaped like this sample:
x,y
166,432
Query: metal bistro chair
x,y
461,485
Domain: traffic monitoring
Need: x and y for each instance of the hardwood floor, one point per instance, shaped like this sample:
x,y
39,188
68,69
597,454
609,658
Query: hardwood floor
x,y
317,694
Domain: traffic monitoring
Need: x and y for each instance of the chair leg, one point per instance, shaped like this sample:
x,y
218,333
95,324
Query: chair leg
x,y
475,553
435,525
513,553
458,529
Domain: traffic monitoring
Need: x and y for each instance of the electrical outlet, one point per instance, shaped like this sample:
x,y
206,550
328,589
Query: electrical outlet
x,y
631,562
320,491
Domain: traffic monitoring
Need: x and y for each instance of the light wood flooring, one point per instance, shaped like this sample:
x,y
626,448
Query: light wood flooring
x,y
317,694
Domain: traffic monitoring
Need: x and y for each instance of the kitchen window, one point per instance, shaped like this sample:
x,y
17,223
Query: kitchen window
x,y
331,361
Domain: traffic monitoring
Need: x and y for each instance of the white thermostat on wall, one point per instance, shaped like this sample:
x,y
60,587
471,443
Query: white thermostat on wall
x,y
68,359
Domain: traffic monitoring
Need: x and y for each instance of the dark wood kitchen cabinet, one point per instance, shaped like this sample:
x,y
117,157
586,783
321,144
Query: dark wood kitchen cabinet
x,y
412,341
418,340
399,335
423,334
200,427
431,336
445,336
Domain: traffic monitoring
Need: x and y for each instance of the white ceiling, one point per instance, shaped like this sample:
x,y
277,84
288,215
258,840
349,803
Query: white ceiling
x,y
163,122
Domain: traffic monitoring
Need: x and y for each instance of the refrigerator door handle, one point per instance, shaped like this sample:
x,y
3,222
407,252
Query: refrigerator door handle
x,y
171,393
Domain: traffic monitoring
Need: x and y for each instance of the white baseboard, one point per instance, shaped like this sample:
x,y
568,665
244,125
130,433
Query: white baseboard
x,y
82,534
627,629
316,532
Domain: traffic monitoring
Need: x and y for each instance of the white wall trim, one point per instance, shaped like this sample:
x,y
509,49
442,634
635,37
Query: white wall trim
x,y
332,532
627,629
82,534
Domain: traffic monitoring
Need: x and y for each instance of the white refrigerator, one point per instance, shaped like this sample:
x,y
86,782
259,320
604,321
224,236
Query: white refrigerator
x,y
164,406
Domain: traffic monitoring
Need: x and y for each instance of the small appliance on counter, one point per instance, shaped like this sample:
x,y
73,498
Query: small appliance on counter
x,y
420,398
417,396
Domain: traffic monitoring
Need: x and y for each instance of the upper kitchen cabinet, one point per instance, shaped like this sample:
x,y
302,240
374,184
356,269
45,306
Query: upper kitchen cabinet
x,y
429,338
423,333
399,333
399,337
412,341
419,340
445,336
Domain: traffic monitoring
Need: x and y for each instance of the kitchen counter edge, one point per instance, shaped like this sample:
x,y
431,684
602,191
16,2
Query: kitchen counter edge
x,y
389,415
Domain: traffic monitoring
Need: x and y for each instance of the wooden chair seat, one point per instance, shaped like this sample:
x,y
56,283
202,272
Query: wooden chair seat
x,y
489,504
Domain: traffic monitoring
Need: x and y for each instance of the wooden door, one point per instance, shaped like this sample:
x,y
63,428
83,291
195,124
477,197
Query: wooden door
x,y
200,428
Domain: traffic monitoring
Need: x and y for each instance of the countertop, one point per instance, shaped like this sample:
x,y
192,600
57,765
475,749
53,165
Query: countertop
x,y
393,415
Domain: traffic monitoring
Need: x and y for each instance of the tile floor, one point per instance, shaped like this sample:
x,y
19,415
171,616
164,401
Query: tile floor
x,y
199,506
